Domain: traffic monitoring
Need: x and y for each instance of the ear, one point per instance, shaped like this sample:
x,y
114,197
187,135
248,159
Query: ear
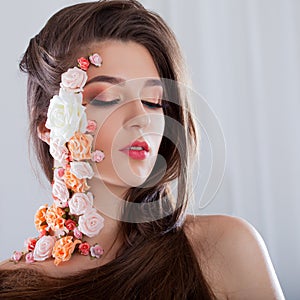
x,y
43,133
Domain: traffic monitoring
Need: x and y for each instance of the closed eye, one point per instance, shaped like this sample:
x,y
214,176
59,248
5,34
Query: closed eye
x,y
152,105
97,102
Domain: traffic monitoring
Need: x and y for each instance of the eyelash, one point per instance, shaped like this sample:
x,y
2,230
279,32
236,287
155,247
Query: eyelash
x,y
108,103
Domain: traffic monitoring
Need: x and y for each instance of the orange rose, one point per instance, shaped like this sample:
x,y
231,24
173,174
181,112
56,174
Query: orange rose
x,y
63,249
80,146
54,217
75,184
39,218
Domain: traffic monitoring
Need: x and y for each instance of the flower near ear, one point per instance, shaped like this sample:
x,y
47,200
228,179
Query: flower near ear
x,y
58,152
65,116
63,249
73,80
43,248
83,63
80,146
90,223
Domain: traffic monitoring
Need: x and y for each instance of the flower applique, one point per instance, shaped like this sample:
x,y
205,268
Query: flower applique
x,y
63,225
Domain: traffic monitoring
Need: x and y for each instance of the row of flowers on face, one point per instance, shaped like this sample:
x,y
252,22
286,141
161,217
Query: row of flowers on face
x,y
63,225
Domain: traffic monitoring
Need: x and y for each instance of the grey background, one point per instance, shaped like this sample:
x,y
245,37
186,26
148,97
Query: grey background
x,y
243,57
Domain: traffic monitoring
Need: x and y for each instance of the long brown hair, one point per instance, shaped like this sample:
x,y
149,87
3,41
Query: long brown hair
x,y
156,260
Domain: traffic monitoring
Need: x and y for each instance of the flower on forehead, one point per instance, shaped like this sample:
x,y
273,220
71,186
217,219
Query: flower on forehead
x,y
75,184
65,116
73,80
83,63
95,59
80,146
63,249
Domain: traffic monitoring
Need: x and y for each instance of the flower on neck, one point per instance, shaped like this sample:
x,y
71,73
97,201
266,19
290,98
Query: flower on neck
x,y
63,225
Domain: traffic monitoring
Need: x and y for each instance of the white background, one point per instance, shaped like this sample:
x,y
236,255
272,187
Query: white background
x,y
244,58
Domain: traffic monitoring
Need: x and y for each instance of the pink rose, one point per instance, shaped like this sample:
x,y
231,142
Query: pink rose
x,y
81,169
95,59
29,258
80,203
73,80
59,152
30,244
60,193
91,126
97,156
43,248
96,251
90,223
17,255
83,63
77,233
84,248
70,224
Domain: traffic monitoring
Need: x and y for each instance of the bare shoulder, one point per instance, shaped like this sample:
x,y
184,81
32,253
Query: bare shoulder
x,y
233,257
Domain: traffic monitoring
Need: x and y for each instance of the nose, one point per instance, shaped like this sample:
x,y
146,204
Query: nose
x,y
136,115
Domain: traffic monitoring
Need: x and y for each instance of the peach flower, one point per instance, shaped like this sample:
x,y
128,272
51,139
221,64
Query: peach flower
x,y
39,218
75,184
80,146
80,203
90,223
73,80
43,248
81,169
63,249
54,217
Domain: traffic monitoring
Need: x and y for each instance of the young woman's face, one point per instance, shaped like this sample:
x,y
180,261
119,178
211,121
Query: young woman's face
x,y
123,96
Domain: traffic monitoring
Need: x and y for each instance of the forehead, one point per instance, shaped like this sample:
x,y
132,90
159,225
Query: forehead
x,y
127,60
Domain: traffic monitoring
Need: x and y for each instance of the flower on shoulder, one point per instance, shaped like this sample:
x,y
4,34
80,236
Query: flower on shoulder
x,y
30,244
16,257
73,80
80,146
63,249
84,248
80,203
65,116
43,248
29,258
40,218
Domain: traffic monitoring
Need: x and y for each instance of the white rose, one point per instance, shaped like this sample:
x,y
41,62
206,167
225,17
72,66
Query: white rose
x,y
58,152
65,116
60,191
90,223
81,170
73,80
43,248
80,203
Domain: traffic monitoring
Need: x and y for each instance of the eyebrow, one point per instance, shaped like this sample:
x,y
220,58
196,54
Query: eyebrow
x,y
121,81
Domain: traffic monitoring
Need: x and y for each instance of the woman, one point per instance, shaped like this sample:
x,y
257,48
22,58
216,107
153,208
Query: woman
x,y
112,129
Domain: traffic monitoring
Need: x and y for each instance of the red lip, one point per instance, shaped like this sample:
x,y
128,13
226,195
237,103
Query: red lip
x,y
137,154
